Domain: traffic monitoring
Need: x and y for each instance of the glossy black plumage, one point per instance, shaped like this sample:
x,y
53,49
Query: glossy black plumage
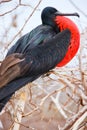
x,y
37,36
41,50
43,58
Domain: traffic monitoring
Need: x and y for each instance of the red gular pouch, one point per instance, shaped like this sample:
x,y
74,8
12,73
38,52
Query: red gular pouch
x,y
65,23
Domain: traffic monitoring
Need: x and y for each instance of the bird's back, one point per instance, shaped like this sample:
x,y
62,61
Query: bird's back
x,y
32,39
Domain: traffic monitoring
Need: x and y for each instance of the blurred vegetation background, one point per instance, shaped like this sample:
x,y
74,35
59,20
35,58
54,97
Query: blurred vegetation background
x,y
57,101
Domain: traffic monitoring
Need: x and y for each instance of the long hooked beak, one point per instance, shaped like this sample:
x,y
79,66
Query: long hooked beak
x,y
66,14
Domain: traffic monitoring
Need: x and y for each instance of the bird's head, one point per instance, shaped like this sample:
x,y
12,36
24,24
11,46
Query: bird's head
x,y
52,17
49,14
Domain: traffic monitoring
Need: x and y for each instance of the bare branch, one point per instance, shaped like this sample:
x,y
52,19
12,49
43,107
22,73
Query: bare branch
x,y
78,8
24,23
79,121
3,1
9,11
74,118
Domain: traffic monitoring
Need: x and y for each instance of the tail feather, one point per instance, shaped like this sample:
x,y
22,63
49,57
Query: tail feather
x,y
7,91
4,101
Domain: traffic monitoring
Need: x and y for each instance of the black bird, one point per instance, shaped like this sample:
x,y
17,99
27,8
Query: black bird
x,y
38,52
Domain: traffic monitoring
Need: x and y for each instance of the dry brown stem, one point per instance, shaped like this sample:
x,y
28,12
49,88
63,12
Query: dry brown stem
x,y
4,1
70,122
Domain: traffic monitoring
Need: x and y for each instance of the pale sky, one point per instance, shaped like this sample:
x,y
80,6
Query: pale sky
x,y
62,5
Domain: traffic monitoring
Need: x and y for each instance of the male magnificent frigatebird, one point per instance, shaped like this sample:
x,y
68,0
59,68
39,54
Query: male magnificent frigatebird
x,y
53,43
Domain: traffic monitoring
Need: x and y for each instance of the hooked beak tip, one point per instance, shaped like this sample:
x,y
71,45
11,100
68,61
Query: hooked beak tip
x,y
77,15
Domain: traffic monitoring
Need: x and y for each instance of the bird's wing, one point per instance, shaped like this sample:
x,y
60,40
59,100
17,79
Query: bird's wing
x,y
32,39
36,62
7,91
10,61
46,56
13,67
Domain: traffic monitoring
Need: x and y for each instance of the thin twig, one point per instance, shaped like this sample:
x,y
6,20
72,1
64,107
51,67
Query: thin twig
x,y
74,118
82,72
10,11
4,1
77,8
43,100
24,24
79,121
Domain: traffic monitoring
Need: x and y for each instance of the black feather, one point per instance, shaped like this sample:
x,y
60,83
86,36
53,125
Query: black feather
x,y
37,36
44,57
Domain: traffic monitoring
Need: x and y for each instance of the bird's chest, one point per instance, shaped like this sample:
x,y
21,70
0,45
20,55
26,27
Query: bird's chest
x,y
65,23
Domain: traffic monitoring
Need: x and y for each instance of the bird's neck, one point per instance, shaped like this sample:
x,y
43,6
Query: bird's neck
x,y
65,23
